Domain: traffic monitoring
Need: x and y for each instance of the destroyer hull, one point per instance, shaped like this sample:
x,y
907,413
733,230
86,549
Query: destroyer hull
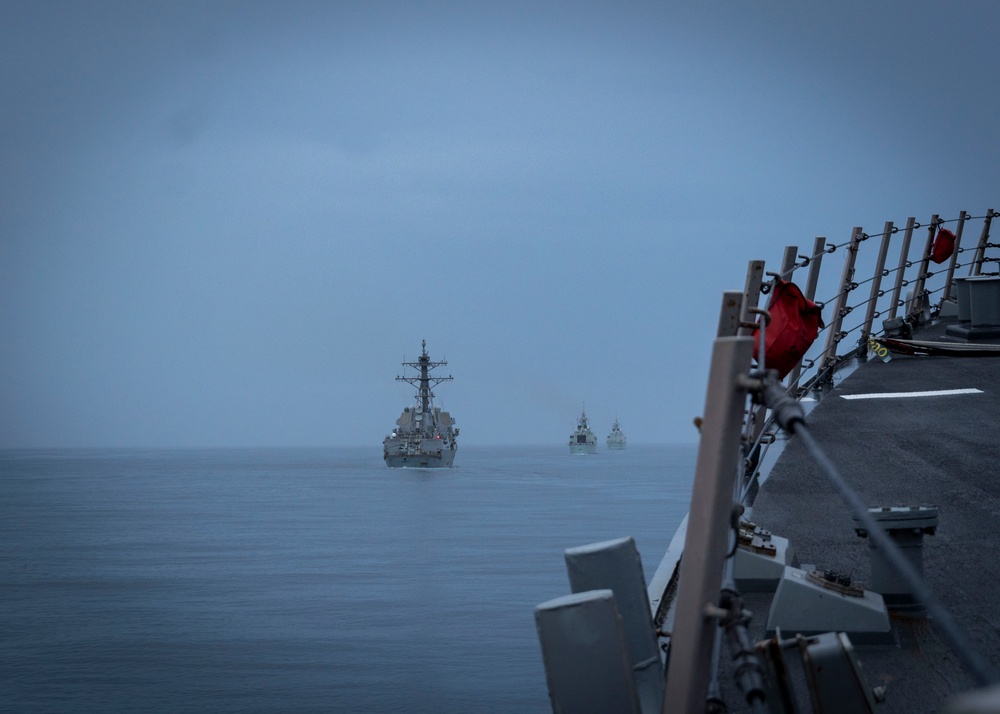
x,y
583,448
421,461
422,458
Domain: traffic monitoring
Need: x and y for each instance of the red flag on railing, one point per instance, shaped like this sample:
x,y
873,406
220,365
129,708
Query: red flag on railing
x,y
795,322
944,245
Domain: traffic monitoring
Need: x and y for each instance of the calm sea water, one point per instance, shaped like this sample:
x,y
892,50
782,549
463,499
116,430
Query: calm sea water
x,y
298,580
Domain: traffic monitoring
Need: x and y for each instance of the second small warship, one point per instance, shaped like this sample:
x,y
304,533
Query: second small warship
x,y
616,439
425,436
582,441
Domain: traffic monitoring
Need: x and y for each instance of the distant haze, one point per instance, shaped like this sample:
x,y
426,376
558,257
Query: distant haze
x,y
227,223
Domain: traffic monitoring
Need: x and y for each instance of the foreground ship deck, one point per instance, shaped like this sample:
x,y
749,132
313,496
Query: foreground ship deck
x,y
771,597
926,448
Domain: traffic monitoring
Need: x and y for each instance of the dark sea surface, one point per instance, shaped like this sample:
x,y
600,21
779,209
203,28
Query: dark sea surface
x,y
303,580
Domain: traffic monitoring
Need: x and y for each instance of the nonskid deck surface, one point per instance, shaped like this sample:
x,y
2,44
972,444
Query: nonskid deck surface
x,y
924,448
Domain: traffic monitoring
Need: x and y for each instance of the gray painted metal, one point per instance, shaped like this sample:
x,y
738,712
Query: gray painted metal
x,y
708,525
915,307
836,681
788,261
984,300
962,295
586,658
730,316
837,318
751,297
756,571
812,279
615,565
904,252
803,606
883,250
984,238
906,526
815,263
946,295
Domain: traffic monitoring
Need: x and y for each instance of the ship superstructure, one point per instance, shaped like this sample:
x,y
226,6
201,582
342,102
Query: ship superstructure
x,y
616,439
582,440
425,435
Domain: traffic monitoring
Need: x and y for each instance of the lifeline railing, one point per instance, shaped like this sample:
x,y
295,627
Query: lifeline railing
x,y
734,441
817,368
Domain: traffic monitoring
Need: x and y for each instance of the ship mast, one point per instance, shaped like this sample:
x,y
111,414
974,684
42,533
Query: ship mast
x,y
424,382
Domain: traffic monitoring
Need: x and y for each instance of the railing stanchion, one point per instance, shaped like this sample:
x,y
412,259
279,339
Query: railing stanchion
x,y
837,319
788,261
812,280
883,250
946,295
819,249
708,530
915,307
977,258
751,298
904,253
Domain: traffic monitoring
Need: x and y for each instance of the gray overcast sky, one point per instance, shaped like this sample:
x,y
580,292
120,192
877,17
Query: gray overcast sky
x,y
226,223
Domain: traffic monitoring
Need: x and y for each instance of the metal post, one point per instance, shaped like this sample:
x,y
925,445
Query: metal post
x,y
883,250
787,268
729,317
751,296
788,261
904,251
708,527
946,295
812,280
977,259
917,298
819,249
839,307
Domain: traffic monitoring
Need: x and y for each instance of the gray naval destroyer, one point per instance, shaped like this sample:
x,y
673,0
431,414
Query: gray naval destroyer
x,y
616,439
425,436
582,440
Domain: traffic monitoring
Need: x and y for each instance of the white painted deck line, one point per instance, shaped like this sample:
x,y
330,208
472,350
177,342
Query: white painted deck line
x,y
898,395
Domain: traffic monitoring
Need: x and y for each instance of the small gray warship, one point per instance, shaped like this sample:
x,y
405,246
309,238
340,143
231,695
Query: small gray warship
x,y
424,436
616,439
582,441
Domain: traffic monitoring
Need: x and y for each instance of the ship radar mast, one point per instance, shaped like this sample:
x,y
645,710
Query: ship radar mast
x,y
424,381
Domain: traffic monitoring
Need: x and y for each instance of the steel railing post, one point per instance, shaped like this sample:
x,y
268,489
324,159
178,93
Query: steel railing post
x,y
946,295
750,298
839,308
977,258
915,306
883,250
904,253
812,280
708,532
